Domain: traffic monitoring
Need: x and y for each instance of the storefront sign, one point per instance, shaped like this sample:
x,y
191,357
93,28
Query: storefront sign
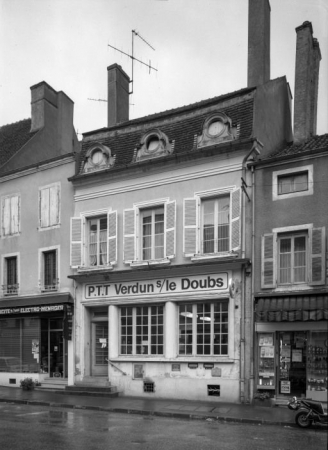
x,y
193,365
285,387
31,309
208,365
201,283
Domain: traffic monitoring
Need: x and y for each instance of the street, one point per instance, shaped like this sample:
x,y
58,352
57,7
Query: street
x,y
24,427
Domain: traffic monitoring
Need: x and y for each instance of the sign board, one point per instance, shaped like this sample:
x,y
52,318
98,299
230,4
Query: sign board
x,y
176,367
216,372
285,387
31,309
193,365
164,286
208,365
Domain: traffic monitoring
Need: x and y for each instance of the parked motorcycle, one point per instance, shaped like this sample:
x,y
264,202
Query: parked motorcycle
x,y
310,412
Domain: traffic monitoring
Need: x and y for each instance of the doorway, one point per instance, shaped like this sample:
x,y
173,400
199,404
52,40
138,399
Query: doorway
x,y
99,348
54,354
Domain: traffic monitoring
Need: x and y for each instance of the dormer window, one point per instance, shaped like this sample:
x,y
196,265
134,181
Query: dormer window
x,y
98,157
216,129
153,145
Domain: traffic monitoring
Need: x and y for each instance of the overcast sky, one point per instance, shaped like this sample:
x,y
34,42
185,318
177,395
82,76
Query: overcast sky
x,y
200,51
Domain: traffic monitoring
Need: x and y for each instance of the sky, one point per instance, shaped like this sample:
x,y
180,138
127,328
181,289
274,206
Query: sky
x,y
199,48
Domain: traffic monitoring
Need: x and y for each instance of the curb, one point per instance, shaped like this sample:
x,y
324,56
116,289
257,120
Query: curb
x,y
176,415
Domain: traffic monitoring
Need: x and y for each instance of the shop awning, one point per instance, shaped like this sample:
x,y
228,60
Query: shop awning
x,y
15,305
291,308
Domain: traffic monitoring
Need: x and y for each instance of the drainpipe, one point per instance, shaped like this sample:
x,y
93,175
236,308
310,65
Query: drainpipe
x,y
252,346
256,149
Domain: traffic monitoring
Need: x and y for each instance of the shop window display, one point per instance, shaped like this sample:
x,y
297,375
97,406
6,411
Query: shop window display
x,y
317,366
266,379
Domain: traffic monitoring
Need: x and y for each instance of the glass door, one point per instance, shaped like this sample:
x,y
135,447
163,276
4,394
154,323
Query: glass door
x,y
99,354
53,348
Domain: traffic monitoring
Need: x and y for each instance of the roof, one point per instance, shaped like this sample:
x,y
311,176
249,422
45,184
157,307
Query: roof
x,y
311,144
12,138
179,125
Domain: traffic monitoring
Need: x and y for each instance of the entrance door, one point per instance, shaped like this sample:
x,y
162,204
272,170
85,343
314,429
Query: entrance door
x,y
53,348
99,349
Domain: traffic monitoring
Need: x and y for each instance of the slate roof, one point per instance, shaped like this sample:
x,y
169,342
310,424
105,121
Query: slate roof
x,y
13,137
175,124
312,144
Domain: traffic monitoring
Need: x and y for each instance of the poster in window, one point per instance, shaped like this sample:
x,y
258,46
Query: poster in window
x,y
297,355
285,387
35,345
265,340
286,338
285,351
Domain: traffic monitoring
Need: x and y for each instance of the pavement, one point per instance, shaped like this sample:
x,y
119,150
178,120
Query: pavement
x,y
180,409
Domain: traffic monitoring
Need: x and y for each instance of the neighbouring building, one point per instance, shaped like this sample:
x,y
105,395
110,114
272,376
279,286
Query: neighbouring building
x,y
37,156
291,218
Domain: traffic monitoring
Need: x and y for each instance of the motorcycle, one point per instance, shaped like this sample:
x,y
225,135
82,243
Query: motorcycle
x,y
310,412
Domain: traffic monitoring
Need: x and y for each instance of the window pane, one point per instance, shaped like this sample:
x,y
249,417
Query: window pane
x,y
285,260
50,270
299,259
185,329
216,224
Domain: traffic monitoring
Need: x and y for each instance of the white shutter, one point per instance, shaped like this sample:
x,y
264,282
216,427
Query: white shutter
x,y
76,241
129,227
14,207
268,271
54,205
190,226
44,207
170,225
317,252
112,237
6,213
235,219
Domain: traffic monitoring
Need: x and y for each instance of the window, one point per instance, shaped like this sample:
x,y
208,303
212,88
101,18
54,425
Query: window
x,y
293,182
97,242
10,217
49,269
10,286
293,255
203,329
94,240
149,233
142,330
49,205
292,259
99,157
212,223
217,128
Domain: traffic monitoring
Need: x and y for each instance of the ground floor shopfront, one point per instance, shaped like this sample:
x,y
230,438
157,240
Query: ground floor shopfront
x,y
170,336
291,343
35,338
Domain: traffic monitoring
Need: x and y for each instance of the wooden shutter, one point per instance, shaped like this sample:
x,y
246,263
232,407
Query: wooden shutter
x,y
6,206
170,225
44,207
112,237
54,193
317,256
76,241
190,226
268,273
235,219
129,227
15,213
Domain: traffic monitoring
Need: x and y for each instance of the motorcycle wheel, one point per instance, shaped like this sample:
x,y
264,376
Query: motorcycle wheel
x,y
302,421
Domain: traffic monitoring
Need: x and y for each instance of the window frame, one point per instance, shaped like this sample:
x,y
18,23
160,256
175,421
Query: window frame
x,y
134,334
53,287
292,237
57,195
215,224
153,234
15,229
98,242
4,273
292,171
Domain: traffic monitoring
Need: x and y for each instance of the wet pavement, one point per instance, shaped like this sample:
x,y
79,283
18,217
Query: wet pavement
x,y
184,409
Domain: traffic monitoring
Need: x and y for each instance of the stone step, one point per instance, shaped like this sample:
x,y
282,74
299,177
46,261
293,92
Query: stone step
x,y
91,388
94,381
89,393
52,383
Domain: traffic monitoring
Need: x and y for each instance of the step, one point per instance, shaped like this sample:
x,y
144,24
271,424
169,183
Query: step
x,y
89,393
52,383
94,381
90,388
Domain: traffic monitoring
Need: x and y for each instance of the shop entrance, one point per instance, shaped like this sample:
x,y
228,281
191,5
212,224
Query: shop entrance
x,y
99,348
292,362
54,354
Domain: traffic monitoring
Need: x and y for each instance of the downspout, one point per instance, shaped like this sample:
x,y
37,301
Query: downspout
x,y
256,148
252,343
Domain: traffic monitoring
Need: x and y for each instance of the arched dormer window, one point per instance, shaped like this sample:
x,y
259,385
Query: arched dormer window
x,y
98,157
216,128
153,144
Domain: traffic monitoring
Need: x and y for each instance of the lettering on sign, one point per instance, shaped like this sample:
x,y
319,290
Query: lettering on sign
x,y
201,283
31,309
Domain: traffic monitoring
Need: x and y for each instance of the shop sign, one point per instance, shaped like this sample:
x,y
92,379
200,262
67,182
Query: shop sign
x,y
31,309
285,387
193,365
208,365
200,283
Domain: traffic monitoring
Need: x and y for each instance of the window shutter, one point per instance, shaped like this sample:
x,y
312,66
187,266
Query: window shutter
x,y
129,226
235,219
170,224
268,276
190,226
112,237
14,214
44,207
76,241
317,256
54,193
6,216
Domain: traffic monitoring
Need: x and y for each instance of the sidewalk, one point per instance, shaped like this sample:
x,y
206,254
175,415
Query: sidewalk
x,y
183,409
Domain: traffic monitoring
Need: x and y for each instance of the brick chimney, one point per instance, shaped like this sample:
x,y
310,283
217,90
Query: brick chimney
x,y
118,95
258,42
308,58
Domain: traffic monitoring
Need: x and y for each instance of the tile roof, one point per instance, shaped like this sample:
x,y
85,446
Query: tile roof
x,y
312,144
13,137
181,126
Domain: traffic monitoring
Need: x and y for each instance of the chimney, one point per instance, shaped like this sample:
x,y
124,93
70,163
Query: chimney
x,y
308,58
258,42
43,101
118,95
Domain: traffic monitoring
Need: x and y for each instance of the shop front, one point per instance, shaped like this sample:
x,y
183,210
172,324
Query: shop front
x,y
171,336
34,337
292,345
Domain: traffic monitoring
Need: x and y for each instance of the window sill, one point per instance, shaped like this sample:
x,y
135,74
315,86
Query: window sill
x,y
150,263
84,269
214,256
179,359
50,227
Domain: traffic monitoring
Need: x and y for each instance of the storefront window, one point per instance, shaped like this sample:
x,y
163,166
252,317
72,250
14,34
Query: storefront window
x,y
317,359
266,361
19,345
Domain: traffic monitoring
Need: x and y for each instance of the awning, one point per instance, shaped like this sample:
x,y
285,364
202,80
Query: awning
x,y
35,304
291,308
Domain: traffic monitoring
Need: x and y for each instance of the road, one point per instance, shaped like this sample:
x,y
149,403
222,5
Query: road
x,y
24,427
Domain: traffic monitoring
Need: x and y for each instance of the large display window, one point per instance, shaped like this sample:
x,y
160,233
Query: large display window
x,y
317,366
266,361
